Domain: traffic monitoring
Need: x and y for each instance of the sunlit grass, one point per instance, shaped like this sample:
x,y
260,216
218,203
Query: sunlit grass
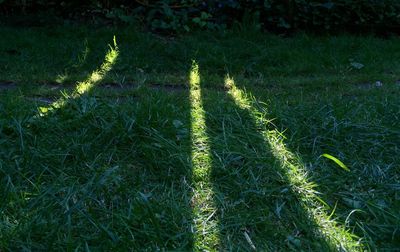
x,y
295,173
86,85
204,209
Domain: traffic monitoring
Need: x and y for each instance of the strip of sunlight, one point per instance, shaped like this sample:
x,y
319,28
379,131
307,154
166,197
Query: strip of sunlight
x,y
206,232
88,84
295,171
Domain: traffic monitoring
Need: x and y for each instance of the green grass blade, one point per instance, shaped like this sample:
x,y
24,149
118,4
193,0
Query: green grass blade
x,y
337,161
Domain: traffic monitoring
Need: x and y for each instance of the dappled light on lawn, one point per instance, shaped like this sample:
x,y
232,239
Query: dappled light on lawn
x,y
294,173
86,85
204,209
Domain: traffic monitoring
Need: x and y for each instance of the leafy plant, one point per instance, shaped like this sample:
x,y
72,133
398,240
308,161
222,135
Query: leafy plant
x,y
337,161
186,15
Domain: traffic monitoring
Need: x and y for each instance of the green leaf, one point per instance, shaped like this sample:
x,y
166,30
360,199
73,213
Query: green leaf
x,y
115,42
196,20
337,161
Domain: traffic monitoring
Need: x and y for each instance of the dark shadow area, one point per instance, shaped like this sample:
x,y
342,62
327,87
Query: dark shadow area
x,y
364,200
258,207
96,174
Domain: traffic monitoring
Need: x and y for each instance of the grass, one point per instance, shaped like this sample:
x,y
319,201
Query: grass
x,y
210,141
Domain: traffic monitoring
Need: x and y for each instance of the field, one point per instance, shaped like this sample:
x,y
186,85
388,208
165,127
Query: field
x,y
115,139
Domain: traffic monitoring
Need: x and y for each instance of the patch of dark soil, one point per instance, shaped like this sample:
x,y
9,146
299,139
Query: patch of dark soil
x,y
169,87
370,85
116,86
365,85
7,85
42,99
120,99
56,85
12,52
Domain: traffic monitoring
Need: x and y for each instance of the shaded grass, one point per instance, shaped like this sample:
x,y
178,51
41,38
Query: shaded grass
x,y
362,131
251,194
265,201
68,54
150,169
96,174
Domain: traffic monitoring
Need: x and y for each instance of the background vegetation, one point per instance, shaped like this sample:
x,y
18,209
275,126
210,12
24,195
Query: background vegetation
x,y
186,15
222,139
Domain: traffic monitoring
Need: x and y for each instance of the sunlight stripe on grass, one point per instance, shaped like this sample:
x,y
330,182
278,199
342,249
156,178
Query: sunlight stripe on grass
x,y
295,172
86,85
206,233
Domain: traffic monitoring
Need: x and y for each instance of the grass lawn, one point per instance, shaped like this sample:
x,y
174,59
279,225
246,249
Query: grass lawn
x,y
205,142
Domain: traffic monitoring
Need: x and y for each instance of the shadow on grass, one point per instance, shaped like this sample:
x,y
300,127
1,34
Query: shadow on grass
x,y
89,174
95,174
351,128
263,198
